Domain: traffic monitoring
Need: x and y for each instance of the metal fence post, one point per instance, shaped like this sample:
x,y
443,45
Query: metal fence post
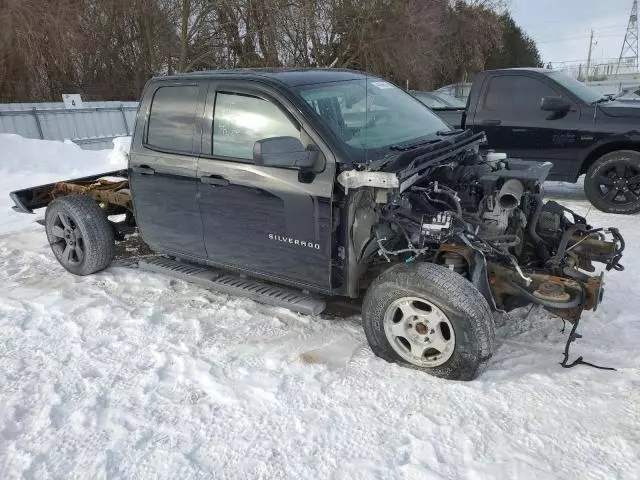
x,y
124,119
34,111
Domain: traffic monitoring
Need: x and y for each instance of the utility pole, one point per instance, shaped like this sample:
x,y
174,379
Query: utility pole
x,y
586,75
630,45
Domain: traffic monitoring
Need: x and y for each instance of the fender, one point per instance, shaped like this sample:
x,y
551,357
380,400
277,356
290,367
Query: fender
x,y
629,140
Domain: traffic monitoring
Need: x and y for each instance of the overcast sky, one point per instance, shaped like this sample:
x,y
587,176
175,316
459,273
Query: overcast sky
x,y
561,27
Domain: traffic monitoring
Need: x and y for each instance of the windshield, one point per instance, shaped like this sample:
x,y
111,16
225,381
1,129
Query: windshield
x,y
371,114
451,101
629,93
579,89
430,100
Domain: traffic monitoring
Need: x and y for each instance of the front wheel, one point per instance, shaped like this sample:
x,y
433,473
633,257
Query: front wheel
x,y
430,318
612,183
79,234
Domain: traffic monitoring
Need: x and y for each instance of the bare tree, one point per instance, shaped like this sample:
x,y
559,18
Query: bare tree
x,y
109,48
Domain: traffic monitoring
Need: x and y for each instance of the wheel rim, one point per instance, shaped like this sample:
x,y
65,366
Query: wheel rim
x,y
419,332
66,239
619,185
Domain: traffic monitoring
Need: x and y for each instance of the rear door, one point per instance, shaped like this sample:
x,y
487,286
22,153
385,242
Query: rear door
x,y
272,222
163,167
508,111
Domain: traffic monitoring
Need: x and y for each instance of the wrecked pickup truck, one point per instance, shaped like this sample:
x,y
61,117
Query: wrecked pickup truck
x,y
290,186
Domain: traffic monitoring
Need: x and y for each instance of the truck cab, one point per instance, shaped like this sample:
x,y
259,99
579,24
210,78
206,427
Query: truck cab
x,y
193,152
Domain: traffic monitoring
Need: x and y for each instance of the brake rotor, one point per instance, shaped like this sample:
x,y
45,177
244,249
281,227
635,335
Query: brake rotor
x,y
552,291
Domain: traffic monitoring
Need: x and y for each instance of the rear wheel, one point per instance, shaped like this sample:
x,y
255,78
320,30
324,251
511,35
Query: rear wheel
x,y
612,183
427,317
79,234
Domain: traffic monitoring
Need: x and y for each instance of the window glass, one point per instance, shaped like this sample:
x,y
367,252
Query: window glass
x,y
438,100
451,101
172,118
371,114
241,120
429,100
579,89
513,92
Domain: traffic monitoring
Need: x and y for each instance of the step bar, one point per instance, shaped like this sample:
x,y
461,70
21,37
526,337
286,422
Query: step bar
x,y
232,284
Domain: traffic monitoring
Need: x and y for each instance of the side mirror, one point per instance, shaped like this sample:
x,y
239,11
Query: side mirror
x,y
284,152
555,104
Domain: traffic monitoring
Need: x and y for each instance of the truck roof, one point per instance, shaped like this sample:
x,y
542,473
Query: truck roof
x,y
288,76
523,69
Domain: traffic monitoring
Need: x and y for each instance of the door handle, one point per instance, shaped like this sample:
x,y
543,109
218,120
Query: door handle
x,y
491,123
519,130
143,170
217,180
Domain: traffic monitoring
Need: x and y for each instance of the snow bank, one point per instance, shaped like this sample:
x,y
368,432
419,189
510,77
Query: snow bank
x,y
121,148
27,162
127,374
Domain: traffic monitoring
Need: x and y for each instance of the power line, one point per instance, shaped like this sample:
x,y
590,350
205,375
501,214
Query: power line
x,y
579,37
564,20
583,60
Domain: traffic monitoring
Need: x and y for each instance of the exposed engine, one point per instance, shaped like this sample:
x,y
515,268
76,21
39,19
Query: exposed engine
x,y
488,221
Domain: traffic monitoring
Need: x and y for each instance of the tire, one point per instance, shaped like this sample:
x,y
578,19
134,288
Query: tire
x,y
79,234
607,179
456,309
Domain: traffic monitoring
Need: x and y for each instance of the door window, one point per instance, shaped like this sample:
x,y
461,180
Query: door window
x,y
516,93
241,120
172,118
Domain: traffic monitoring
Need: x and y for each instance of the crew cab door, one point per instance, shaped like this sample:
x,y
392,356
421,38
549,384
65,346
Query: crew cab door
x,y
509,111
163,165
269,221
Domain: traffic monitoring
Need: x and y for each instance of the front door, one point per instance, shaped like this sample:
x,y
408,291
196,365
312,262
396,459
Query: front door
x,y
273,222
163,167
509,112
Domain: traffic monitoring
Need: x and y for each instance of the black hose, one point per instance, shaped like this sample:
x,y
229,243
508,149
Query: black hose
x,y
533,224
562,246
617,236
455,200
546,303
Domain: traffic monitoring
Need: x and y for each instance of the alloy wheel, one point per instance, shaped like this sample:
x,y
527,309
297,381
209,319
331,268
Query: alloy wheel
x,y
619,185
67,239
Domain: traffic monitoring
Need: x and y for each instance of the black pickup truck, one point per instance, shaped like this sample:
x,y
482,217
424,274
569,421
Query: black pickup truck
x,y
545,116
289,186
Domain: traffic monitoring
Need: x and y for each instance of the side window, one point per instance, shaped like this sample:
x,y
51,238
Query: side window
x,y
241,120
172,118
510,93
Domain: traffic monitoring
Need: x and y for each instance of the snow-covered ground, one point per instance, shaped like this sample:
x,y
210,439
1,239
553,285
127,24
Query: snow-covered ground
x,y
127,374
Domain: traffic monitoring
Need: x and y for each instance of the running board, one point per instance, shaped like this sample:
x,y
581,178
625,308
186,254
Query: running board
x,y
235,285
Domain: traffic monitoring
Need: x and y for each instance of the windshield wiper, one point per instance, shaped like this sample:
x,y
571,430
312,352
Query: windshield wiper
x,y
606,98
449,133
403,147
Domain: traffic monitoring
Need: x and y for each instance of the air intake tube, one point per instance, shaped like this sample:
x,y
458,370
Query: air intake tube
x,y
510,194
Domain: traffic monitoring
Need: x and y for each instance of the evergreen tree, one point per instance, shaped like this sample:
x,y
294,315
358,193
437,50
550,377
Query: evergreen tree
x,y
518,49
